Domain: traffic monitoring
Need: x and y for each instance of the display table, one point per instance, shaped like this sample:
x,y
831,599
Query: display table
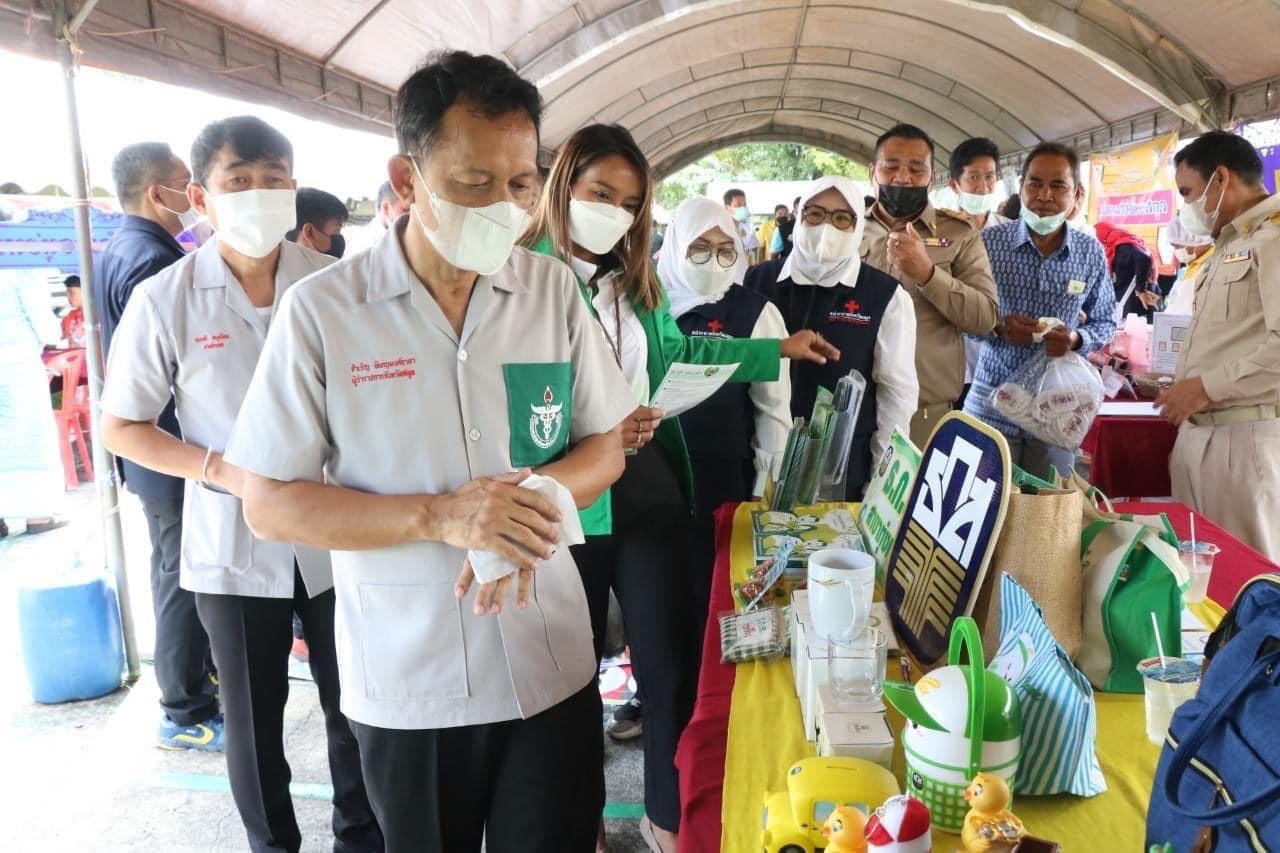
x,y
746,730
1130,452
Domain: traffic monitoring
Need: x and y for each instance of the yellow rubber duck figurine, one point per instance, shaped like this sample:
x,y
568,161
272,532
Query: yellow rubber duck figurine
x,y
989,827
844,831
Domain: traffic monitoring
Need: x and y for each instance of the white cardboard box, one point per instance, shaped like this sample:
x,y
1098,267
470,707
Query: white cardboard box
x,y
809,656
828,703
813,672
865,736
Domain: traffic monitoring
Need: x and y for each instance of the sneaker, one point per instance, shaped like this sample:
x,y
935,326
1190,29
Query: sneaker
x,y
202,737
300,652
626,723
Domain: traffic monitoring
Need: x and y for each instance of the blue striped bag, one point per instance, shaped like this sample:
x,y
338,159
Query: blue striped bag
x,y
1059,718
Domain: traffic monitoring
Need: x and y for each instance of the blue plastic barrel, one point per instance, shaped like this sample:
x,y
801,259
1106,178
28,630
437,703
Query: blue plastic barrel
x,y
71,641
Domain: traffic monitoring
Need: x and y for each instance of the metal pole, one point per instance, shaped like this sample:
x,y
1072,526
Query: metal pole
x,y
104,463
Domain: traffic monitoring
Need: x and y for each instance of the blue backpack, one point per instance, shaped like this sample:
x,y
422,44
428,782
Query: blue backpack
x,y
1217,786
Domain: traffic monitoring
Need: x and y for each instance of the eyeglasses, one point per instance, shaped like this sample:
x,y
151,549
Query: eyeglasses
x,y
841,219
725,257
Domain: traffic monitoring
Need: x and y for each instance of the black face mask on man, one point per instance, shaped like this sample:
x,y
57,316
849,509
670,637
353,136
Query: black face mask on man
x,y
903,202
337,245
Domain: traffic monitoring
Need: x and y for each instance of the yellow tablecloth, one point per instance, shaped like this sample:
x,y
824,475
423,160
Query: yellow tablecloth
x,y
766,736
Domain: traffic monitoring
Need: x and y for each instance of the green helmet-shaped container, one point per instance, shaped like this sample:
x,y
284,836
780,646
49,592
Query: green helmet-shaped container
x,y
961,721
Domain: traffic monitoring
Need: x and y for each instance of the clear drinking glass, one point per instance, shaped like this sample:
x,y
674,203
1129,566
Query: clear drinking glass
x,y
856,667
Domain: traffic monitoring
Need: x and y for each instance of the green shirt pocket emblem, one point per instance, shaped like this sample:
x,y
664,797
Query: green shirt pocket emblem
x,y
540,410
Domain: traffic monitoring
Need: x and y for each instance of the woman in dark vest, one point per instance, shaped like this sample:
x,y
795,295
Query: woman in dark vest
x,y
736,437
824,286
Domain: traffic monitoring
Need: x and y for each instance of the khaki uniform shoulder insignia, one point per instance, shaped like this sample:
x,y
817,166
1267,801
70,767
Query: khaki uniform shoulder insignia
x,y
954,214
1273,219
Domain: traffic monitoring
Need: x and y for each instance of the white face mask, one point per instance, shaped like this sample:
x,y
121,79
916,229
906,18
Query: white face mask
x,y
186,218
1183,256
478,239
1042,225
827,244
253,222
1193,216
709,279
976,205
597,226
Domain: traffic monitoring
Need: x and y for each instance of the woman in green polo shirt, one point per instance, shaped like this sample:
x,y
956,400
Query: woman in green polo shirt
x,y
595,215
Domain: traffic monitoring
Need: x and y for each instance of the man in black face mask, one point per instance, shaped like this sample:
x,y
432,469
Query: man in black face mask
x,y
939,258
321,216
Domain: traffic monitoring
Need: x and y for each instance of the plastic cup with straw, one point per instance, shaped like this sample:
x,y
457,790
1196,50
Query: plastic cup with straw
x,y
1198,558
1167,682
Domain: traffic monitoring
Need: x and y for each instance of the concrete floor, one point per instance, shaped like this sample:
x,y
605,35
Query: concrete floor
x,y
85,776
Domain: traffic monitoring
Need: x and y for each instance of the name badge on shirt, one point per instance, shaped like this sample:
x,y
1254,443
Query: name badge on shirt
x,y
1075,287
935,242
1236,257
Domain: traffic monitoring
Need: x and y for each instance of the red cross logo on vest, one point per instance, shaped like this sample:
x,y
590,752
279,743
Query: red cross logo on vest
x,y
852,306
715,325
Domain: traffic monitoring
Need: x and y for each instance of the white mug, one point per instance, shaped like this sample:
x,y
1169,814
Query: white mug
x,y
841,583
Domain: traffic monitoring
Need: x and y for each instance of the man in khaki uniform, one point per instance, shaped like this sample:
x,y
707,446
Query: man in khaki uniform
x,y
1226,402
939,257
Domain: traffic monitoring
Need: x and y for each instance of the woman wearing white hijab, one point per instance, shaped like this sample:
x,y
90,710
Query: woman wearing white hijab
x,y
824,286
738,435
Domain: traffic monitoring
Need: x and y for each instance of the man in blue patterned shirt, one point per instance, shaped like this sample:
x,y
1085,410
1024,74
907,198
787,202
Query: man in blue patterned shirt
x,y
1042,268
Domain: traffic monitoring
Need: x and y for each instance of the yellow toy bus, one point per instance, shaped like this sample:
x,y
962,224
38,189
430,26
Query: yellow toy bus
x,y
793,818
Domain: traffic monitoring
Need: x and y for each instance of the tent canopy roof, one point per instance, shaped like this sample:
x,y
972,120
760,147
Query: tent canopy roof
x,y
686,77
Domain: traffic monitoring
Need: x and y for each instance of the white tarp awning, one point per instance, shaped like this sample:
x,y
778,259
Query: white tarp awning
x,y
686,77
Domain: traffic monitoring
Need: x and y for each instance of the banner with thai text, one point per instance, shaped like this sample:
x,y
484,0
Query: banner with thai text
x,y
1133,188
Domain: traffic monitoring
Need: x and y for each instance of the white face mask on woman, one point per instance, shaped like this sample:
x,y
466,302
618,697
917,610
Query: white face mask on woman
x,y
478,239
254,222
826,243
709,279
597,226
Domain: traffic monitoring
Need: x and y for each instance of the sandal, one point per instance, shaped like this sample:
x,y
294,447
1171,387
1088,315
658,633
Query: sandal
x,y
45,525
646,833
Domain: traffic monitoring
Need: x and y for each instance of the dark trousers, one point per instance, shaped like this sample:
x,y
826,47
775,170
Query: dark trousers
x,y
251,638
646,562
524,786
715,482
182,646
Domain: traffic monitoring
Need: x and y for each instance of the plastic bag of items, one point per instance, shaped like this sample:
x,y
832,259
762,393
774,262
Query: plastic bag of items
x,y
1053,399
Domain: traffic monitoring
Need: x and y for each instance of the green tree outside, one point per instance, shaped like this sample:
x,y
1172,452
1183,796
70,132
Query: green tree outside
x,y
755,161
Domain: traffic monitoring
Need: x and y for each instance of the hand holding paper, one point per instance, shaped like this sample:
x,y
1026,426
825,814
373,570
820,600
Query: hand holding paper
x,y
687,385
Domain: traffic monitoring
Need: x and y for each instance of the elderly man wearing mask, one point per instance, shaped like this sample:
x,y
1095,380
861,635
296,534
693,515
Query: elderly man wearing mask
x,y
404,398
824,286
737,436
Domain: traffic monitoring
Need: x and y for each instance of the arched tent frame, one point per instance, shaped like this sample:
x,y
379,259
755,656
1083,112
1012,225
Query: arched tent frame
x,y
690,76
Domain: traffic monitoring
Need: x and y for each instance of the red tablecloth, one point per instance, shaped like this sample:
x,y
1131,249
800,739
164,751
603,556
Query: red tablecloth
x,y
700,758
1131,455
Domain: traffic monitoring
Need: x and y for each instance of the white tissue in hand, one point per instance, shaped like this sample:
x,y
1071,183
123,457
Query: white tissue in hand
x,y
489,567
